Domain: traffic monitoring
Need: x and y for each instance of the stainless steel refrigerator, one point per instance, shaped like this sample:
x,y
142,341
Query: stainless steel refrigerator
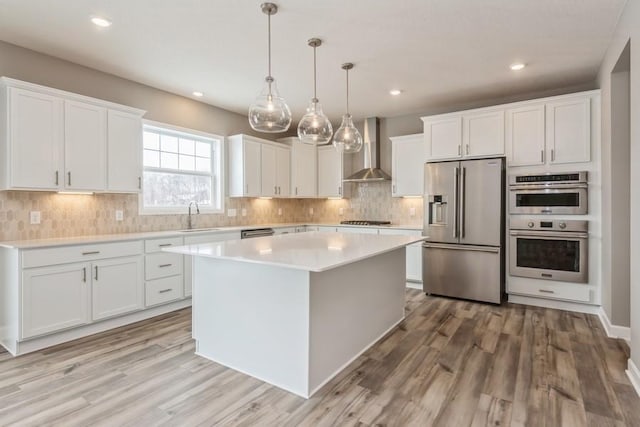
x,y
463,255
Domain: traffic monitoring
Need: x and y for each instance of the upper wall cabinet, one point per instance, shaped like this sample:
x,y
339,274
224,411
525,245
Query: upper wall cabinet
x,y
407,154
331,171
525,135
472,134
245,166
276,170
304,167
55,140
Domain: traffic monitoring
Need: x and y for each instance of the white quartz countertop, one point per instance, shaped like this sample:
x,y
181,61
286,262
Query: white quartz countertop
x,y
311,251
106,238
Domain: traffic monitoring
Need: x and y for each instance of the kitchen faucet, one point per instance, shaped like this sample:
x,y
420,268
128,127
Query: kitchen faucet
x,y
189,220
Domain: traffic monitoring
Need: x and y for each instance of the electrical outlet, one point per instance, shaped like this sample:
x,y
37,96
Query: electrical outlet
x,y
340,211
412,212
231,212
34,217
244,212
310,211
279,211
119,215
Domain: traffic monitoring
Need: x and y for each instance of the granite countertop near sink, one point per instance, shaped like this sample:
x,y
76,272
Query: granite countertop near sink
x,y
107,238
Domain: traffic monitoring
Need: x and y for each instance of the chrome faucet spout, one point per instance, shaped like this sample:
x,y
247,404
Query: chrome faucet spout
x,y
189,219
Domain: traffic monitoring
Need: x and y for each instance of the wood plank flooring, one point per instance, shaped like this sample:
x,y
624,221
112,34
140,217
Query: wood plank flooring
x,y
450,363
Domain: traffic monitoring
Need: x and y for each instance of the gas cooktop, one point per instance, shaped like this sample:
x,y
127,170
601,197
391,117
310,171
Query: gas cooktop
x,y
365,222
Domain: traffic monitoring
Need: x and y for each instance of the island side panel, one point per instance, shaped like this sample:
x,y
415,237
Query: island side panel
x,y
255,319
352,307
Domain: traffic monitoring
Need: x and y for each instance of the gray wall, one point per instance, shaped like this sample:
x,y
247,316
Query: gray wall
x,y
628,29
161,106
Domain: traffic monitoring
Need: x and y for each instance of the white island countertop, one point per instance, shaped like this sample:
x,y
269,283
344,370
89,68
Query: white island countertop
x,y
310,251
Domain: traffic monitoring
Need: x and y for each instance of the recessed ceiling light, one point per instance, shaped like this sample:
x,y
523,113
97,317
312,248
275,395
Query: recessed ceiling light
x,y
198,94
517,66
101,22
395,92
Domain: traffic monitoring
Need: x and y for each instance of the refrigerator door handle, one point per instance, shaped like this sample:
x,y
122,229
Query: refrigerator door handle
x,y
456,174
491,249
463,204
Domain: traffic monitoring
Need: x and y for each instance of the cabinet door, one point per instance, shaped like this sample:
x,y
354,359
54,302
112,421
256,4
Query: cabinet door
x,y
54,298
117,286
329,172
525,135
124,145
268,171
414,262
303,170
483,134
443,138
569,131
283,171
85,142
252,168
35,140
407,155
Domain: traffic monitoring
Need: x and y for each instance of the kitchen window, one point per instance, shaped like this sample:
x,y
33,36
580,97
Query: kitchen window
x,y
180,166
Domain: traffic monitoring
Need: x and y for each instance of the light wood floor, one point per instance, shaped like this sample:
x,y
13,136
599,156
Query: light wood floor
x,y
449,363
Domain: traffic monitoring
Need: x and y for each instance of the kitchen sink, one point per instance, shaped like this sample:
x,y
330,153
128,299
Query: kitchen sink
x,y
195,230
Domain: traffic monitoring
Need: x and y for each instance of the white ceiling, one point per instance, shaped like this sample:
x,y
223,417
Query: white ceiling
x,y
434,50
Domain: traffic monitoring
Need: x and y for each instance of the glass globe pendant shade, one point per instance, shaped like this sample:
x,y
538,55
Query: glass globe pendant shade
x,y
347,139
269,112
314,127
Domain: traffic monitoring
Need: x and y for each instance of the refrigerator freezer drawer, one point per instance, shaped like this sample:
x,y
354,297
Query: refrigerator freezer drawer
x,y
459,271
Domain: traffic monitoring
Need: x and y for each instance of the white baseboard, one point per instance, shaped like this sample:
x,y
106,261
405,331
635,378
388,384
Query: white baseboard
x,y
414,285
614,331
634,375
558,305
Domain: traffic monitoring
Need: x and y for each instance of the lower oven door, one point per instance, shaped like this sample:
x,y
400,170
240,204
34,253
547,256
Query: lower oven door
x,y
561,256
548,200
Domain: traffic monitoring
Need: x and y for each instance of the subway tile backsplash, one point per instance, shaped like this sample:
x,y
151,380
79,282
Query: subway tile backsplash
x,y
66,215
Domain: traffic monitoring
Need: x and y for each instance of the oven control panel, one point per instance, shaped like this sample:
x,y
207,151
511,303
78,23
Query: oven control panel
x,y
549,225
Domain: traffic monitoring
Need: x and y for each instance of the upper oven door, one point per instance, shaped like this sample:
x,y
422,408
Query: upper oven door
x,y
552,256
571,200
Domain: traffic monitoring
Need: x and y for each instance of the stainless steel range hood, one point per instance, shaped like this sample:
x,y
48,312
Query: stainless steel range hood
x,y
371,171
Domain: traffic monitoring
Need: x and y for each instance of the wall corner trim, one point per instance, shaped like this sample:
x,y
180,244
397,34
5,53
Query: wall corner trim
x,y
614,331
634,375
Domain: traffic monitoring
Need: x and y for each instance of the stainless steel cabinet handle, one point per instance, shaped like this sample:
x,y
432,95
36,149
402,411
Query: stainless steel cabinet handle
x,y
459,150
541,156
165,265
96,267
275,189
84,274
467,149
164,245
296,191
57,178
69,178
164,291
544,291
553,155
394,189
91,253
340,190
139,183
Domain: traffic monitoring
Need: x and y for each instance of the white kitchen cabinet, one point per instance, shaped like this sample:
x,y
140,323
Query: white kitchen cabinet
x,y
304,167
414,253
275,170
361,230
54,298
569,130
245,170
285,230
124,145
331,172
164,273
443,137
483,133
525,135
33,140
85,146
116,287
407,156
323,228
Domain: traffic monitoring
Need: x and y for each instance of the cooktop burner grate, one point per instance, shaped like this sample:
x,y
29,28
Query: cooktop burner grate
x,y
365,222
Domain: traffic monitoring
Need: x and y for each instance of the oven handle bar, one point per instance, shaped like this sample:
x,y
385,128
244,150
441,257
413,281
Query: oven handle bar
x,y
454,247
560,235
534,187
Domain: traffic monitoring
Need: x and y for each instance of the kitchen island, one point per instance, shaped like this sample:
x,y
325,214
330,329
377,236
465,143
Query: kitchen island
x,y
294,310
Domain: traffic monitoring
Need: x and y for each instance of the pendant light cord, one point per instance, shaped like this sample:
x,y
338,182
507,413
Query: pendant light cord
x,y
315,95
269,41
347,91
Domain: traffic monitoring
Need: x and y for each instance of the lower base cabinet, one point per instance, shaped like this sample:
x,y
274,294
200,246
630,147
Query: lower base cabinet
x,y
116,287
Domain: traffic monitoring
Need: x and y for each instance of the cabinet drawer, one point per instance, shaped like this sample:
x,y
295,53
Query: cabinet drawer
x,y
81,253
162,265
581,293
156,245
164,290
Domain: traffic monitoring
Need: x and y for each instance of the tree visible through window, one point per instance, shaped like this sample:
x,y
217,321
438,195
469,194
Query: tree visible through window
x,y
180,167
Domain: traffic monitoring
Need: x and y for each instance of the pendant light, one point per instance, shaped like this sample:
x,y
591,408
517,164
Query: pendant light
x,y
314,127
269,112
347,139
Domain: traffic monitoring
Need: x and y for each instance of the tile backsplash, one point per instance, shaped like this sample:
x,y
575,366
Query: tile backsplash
x,y
66,215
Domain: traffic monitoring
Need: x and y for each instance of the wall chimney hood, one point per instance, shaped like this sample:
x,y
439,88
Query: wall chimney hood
x,y
371,171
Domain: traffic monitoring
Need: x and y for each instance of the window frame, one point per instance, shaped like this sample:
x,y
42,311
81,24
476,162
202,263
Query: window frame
x,y
217,171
